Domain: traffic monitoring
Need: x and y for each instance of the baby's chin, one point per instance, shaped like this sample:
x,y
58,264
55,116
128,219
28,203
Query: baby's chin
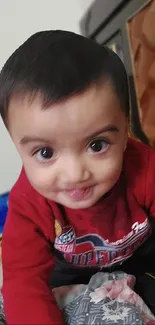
x,y
77,205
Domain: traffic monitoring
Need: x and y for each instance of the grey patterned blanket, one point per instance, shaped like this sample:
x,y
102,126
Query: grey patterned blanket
x,y
2,317
108,299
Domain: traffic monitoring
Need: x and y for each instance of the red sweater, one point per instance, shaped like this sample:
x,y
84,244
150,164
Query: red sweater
x,y
100,236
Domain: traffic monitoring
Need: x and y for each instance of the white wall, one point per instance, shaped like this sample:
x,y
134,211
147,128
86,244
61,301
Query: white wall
x,y
18,20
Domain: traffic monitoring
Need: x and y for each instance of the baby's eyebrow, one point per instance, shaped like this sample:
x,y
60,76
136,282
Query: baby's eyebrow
x,y
31,139
28,139
108,128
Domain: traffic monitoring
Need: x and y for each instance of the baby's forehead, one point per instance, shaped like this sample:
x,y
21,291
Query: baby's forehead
x,y
77,117
93,102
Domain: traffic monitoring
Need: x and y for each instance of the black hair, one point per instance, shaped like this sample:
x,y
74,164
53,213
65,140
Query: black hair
x,y
58,64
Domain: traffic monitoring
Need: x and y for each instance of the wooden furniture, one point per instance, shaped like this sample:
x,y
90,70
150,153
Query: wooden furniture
x,y
128,27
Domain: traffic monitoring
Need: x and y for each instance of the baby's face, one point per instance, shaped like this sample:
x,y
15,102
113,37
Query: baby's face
x,y
72,151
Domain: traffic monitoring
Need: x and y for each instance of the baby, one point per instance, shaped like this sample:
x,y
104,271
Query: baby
x,y
84,201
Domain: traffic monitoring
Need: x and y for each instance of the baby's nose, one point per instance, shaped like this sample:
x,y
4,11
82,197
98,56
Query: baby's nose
x,y
75,172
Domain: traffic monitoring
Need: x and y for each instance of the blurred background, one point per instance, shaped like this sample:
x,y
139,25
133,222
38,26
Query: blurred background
x,y
128,28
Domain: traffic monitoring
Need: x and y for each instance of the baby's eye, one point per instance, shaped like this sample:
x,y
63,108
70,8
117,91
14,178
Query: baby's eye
x,y
44,154
98,146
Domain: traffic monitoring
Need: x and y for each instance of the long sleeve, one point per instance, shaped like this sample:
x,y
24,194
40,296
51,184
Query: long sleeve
x,y
150,184
27,264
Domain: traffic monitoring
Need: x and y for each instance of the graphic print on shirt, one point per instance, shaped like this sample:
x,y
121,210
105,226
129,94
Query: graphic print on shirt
x,y
93,250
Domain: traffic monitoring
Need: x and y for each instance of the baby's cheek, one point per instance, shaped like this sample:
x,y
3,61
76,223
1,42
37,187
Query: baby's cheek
x,y
112,166
43,182
39,178
111,171
116,168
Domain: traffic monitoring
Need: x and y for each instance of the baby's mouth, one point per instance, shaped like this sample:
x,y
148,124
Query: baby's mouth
x,y
79,194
